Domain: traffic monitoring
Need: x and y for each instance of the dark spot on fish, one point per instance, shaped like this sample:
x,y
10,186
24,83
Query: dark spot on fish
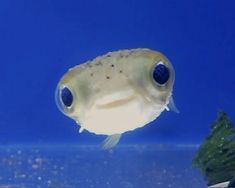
x,y
112,65
121,55
120,71
99,63
91,74
127,55
107,77
108,55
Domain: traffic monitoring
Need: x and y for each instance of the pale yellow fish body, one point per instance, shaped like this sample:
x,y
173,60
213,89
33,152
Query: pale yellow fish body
x,y
116,92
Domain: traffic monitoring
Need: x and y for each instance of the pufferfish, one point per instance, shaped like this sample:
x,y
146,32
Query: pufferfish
x,y
117,92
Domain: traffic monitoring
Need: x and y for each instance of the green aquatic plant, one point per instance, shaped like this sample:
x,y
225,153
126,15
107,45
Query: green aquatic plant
x,y
216,156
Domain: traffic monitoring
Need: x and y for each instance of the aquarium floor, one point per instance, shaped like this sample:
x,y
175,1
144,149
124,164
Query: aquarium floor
x,y
69,166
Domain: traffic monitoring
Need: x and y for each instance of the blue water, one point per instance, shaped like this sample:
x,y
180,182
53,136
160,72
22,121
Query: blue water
x,y
87,166
41,40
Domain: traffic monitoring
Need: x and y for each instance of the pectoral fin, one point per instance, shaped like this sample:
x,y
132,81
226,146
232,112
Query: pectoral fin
x,y
111,141
171,106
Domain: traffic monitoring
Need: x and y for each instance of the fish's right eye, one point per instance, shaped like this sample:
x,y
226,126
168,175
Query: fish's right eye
x,y
161,74
66,97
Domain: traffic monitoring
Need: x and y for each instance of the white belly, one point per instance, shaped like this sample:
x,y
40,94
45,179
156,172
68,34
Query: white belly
x,y
121,116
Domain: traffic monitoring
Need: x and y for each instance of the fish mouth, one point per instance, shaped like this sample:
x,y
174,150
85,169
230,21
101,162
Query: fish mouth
x,y
116,99
116,103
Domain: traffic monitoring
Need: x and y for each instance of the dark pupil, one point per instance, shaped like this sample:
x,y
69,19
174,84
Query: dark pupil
x,y
66,97
161,74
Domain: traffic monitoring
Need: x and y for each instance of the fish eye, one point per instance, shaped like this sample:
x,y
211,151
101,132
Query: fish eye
x,y
66,97
161,73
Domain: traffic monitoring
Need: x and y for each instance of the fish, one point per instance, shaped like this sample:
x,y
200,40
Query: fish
x,y
117,92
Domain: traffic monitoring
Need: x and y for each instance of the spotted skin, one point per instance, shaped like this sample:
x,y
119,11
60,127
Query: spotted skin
x,y
116,92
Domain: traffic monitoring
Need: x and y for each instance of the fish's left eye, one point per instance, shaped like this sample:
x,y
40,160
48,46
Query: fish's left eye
x,y
66,97
161,74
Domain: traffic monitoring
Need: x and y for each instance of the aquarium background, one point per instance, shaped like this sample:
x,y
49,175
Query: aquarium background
x,y
41,40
